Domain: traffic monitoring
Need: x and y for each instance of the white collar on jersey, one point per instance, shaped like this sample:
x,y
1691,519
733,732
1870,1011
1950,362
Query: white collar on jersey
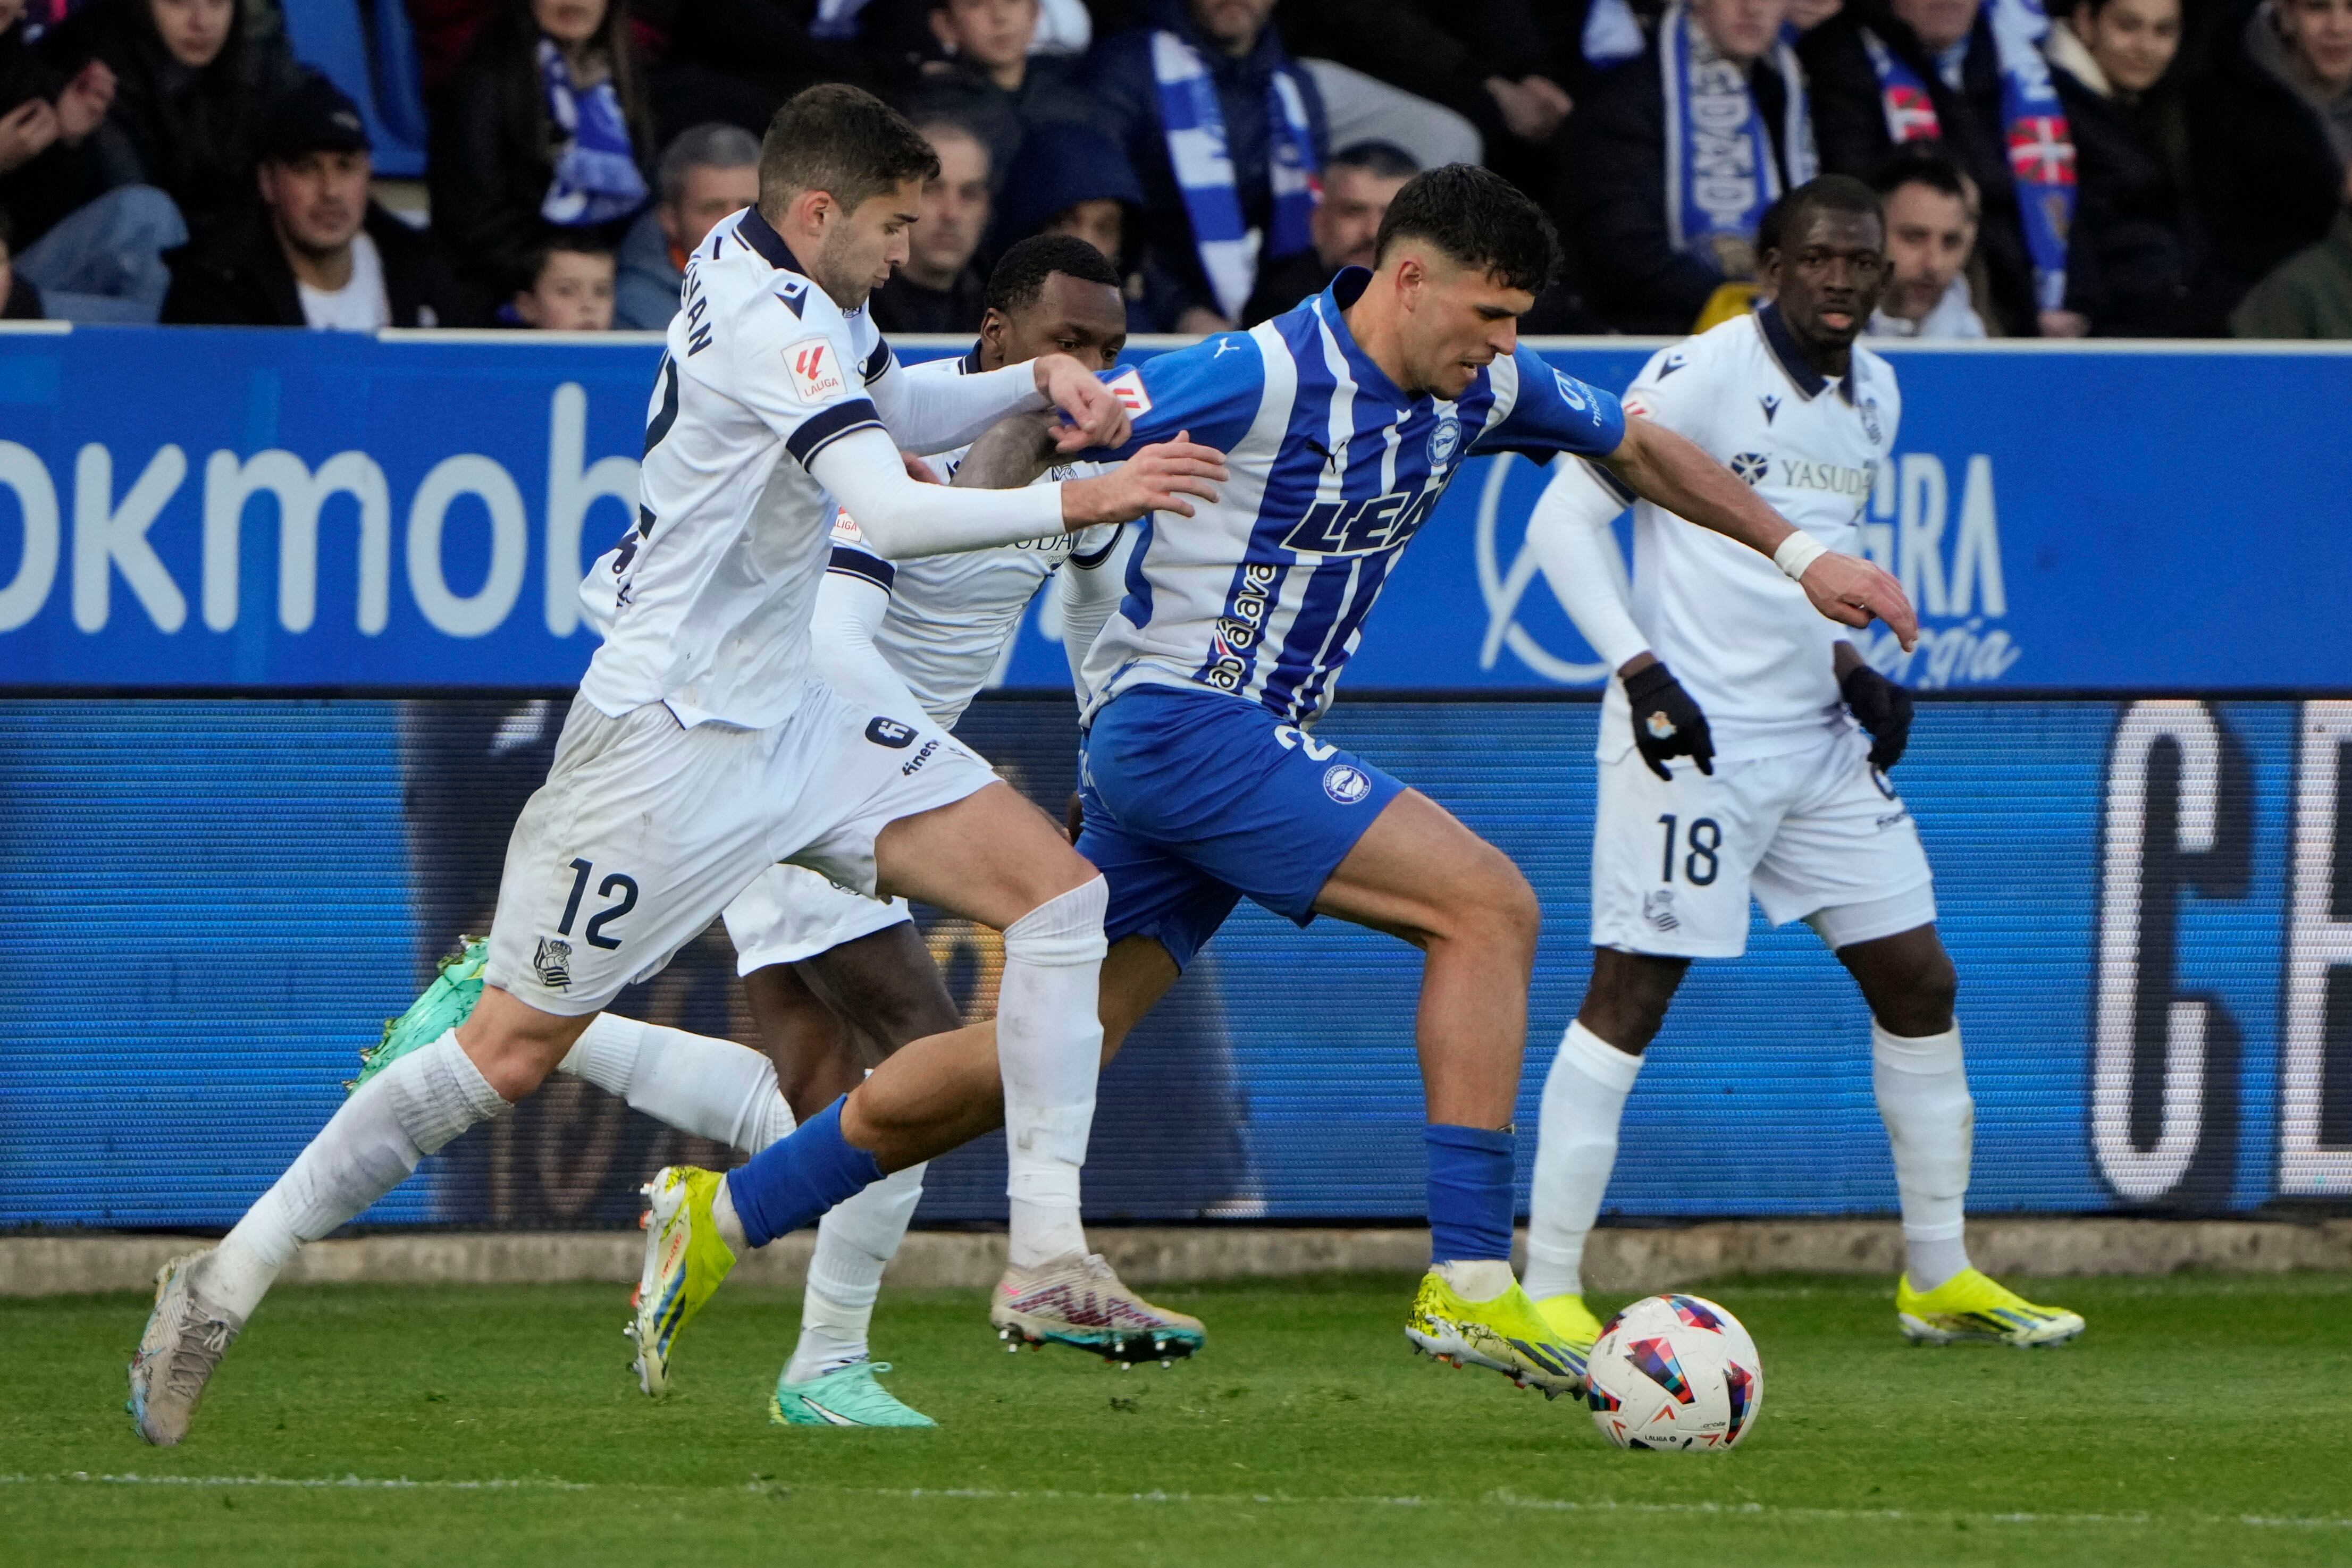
x,y
1782,345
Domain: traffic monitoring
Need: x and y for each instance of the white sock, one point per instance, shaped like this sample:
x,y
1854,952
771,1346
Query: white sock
x,y
1477,1278
1923,1097
368,1147
1576,1147
854,1242
1049,1047
710,1088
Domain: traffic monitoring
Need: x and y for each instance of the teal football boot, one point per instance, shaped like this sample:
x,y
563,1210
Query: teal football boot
x,y
447,1002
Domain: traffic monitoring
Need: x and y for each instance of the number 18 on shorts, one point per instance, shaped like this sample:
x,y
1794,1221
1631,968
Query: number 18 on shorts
x,y
1817,834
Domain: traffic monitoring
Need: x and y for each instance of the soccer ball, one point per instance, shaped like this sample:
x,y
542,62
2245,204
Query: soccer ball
x,y
1673,1371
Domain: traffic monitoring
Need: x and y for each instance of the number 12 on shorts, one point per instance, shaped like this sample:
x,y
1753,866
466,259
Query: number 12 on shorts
x,y
626,886
1702,842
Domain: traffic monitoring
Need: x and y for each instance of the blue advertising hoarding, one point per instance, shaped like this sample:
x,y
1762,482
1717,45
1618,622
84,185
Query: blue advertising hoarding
x,y
214,903
325,510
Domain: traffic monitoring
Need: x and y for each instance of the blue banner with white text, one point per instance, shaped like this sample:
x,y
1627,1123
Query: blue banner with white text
x,y
223,508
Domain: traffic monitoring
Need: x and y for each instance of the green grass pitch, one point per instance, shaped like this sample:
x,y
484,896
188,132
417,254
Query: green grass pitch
x,y
2202,1419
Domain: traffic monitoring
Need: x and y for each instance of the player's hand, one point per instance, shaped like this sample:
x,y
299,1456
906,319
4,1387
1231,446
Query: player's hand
x,y
1156,479
1097,417
1852,591
920,472
1883,708
1666,723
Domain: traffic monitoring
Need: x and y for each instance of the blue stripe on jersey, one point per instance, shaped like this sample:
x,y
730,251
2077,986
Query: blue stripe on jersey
x,y
1342,646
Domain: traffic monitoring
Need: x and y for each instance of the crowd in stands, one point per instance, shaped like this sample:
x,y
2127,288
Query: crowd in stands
x,y
2123,168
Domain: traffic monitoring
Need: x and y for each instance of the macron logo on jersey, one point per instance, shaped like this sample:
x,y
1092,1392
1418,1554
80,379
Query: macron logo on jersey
x,y
1127,387
815,375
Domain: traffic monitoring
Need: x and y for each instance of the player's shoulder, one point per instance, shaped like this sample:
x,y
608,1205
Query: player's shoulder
x,y
1874,371
1216,370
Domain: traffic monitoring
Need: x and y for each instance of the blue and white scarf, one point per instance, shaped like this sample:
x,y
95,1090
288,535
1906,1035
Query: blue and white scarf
x,y
596,175
1195,128
1721,173
2041,143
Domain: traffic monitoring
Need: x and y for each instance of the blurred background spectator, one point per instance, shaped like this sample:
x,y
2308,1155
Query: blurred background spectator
x,y
2135,262
1889,71
1931,232
1675,157
545,123
2270,135
20,300
991,82
1489,67
739,60
938,289
2310,297
316,251
190,90
1208,72
1358,186
1074,180
706,173
49,160
571,287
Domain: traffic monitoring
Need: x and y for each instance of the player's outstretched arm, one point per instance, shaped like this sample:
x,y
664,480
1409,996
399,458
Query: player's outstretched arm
x,y
1014,452
937,413
1674,473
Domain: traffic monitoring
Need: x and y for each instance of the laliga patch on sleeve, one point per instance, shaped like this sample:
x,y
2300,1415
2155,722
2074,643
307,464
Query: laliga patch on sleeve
x,y
1127,387
845,530
816,370
1636,406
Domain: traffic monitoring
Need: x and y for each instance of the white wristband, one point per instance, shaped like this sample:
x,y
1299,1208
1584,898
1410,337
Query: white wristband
x,y
1797,551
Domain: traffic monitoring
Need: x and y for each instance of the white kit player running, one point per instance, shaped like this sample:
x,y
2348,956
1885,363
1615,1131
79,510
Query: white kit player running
x,y
703,748
1726,667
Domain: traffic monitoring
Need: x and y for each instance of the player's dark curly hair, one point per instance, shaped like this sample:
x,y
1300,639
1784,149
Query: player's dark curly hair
x,y
1478,218
1020,278
843,141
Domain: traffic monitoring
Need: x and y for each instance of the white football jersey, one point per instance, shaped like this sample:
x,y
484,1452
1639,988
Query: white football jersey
x,y
952,618
1741,637
705,605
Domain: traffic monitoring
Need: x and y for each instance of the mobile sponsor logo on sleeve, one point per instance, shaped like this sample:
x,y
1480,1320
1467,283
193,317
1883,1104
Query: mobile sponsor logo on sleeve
x,y
816,370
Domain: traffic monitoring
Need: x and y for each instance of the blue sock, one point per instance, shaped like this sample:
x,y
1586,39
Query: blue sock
x,y
792,1181
1469,1194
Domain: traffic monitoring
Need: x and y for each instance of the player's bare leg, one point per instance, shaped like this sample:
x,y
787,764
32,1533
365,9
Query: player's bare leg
x,y
1418,874
818,1056
1920,1078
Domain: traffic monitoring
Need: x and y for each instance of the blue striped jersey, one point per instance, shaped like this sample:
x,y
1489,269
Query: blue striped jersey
x,y
1331,469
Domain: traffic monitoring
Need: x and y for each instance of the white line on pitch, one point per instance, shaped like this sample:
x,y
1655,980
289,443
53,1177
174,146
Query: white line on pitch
x,y
987,1494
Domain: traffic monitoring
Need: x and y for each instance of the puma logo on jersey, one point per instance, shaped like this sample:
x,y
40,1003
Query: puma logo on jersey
x,y
816,372
1127,387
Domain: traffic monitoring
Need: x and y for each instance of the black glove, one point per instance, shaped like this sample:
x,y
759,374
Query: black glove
x,y
1666,723
1881,707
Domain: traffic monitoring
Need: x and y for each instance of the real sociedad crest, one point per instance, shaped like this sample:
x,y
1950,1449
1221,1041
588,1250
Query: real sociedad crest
x,y
1444,442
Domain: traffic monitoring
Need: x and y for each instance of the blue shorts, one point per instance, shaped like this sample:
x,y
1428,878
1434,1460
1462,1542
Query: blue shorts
x,y
1195,798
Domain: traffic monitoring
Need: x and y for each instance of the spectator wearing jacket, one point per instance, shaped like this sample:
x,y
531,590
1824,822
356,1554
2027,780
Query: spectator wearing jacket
x,y
739,60
2310,297
991,82
190,91
707,172
1948,46
1655,237
2271,136
1358,187
48,152
2136,260
1074,180
937,288
1489,65
316,251
1199,257
545,124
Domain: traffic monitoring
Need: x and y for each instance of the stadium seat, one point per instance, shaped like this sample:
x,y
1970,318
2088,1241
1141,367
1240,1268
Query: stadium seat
x,y
332,37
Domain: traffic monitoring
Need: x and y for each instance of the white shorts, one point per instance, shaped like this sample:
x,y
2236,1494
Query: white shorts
x,y
791,913
646,829
1818,835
